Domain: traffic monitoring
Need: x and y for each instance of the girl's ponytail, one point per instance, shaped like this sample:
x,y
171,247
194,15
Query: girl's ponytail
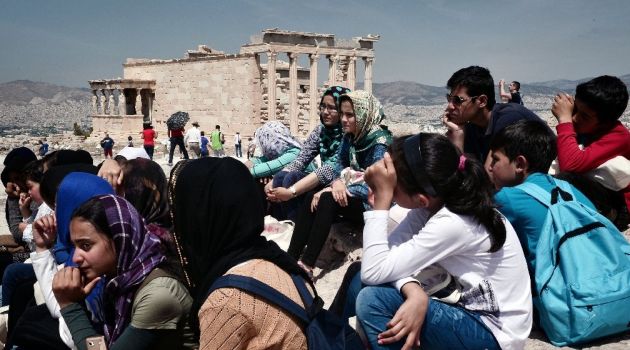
x,y
461,182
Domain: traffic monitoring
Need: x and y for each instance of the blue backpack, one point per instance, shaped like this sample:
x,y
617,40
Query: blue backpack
x,y
582,278
323,329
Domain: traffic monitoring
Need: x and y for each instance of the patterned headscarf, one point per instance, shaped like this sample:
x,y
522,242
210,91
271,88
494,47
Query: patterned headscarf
x,y
369,115
138,252
274,138
331,136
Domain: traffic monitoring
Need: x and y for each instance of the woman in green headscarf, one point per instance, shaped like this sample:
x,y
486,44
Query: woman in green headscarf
x,y
324,141
365,142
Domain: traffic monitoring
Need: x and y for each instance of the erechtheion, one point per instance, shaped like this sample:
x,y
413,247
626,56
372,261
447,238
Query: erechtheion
x,y
232,90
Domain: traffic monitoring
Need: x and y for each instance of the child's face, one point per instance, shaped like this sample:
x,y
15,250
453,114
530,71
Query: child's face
x,y
585,119
94,253
33,191
503,172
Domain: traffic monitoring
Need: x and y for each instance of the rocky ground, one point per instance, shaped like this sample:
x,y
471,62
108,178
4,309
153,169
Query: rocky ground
x,y
344,247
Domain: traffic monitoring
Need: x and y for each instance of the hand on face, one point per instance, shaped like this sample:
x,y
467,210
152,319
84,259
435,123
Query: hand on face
x,y
12,190
562,108
381,178
70,287
45,232
111,172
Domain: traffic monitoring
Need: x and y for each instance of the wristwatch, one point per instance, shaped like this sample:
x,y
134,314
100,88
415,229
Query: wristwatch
x,y
293,191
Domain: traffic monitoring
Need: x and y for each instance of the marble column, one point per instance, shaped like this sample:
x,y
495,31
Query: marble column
x,y
122,102
313,95
352,72
293,87
138,101
271,85
110,102
367,84
105,102
332,69
94,102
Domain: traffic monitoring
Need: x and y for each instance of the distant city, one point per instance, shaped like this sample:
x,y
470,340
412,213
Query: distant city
x,y
40,109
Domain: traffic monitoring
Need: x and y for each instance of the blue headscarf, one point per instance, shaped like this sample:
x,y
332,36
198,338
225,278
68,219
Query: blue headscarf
x,y
75,189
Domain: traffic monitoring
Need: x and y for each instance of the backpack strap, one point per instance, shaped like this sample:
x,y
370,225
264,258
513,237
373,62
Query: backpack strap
x,y
314,305
537,192
262,290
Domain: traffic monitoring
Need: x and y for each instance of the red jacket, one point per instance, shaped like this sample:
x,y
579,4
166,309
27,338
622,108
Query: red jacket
x,y
571,158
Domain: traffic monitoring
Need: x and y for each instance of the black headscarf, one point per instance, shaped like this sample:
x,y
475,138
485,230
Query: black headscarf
x,y
145,187
219,219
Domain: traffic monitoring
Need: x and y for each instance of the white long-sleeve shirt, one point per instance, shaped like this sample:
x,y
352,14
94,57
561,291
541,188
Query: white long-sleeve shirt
x,y
495,284
45,268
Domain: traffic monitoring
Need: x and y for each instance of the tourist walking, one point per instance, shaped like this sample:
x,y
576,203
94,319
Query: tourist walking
x,y
177,139
148,136
237,145
43,148
108,145
216,142
193,138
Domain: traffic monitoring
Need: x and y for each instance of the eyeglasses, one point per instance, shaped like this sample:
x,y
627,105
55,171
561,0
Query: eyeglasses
x,y
458,100
330,109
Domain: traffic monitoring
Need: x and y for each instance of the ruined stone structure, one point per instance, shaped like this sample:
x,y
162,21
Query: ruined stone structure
x,y
236,91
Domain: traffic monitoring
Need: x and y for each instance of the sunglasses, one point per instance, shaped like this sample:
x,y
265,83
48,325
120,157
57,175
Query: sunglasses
x,y
458,100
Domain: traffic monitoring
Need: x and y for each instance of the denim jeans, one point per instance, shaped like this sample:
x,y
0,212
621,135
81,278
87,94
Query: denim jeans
x,y
445,326
14,275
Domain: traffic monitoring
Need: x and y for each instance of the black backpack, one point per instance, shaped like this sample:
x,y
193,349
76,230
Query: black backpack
x,y
323,329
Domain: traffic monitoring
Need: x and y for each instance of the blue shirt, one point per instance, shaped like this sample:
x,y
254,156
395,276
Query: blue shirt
x,y
477,141
527,215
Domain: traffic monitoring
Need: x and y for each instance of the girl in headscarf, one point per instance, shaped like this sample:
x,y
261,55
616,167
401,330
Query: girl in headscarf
x,y
278,148
365,142
219,221
145,307
324,141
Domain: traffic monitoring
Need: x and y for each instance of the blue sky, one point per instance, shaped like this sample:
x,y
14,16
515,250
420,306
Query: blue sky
x,y
69,42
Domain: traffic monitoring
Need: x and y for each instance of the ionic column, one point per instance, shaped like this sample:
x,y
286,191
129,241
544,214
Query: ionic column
x,y
293,105
332,69
138,101
110,102
94,102
313,92
271,85
352,72
367,85
122,102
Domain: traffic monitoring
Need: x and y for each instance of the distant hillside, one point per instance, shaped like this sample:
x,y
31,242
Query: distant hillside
x,y
21,92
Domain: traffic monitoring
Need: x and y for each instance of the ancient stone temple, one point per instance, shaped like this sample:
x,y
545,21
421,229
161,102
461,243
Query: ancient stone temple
x,y
235,91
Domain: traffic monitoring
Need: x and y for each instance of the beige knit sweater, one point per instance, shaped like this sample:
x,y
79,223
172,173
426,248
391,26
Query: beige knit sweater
x,y
232,319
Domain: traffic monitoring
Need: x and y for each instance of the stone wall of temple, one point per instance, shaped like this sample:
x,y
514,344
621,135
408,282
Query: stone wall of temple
x,y
224,90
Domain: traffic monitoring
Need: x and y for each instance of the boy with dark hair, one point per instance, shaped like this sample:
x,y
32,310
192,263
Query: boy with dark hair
x,y
523,152
472,115
589,131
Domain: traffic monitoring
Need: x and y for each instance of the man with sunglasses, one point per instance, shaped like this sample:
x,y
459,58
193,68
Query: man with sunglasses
x,y
472,115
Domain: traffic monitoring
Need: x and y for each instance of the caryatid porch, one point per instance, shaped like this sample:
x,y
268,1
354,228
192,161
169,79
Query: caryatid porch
x,y
341,68
121,105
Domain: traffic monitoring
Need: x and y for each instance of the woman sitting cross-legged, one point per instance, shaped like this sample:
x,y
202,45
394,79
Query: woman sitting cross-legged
x,y
145,305
454,224
364,143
